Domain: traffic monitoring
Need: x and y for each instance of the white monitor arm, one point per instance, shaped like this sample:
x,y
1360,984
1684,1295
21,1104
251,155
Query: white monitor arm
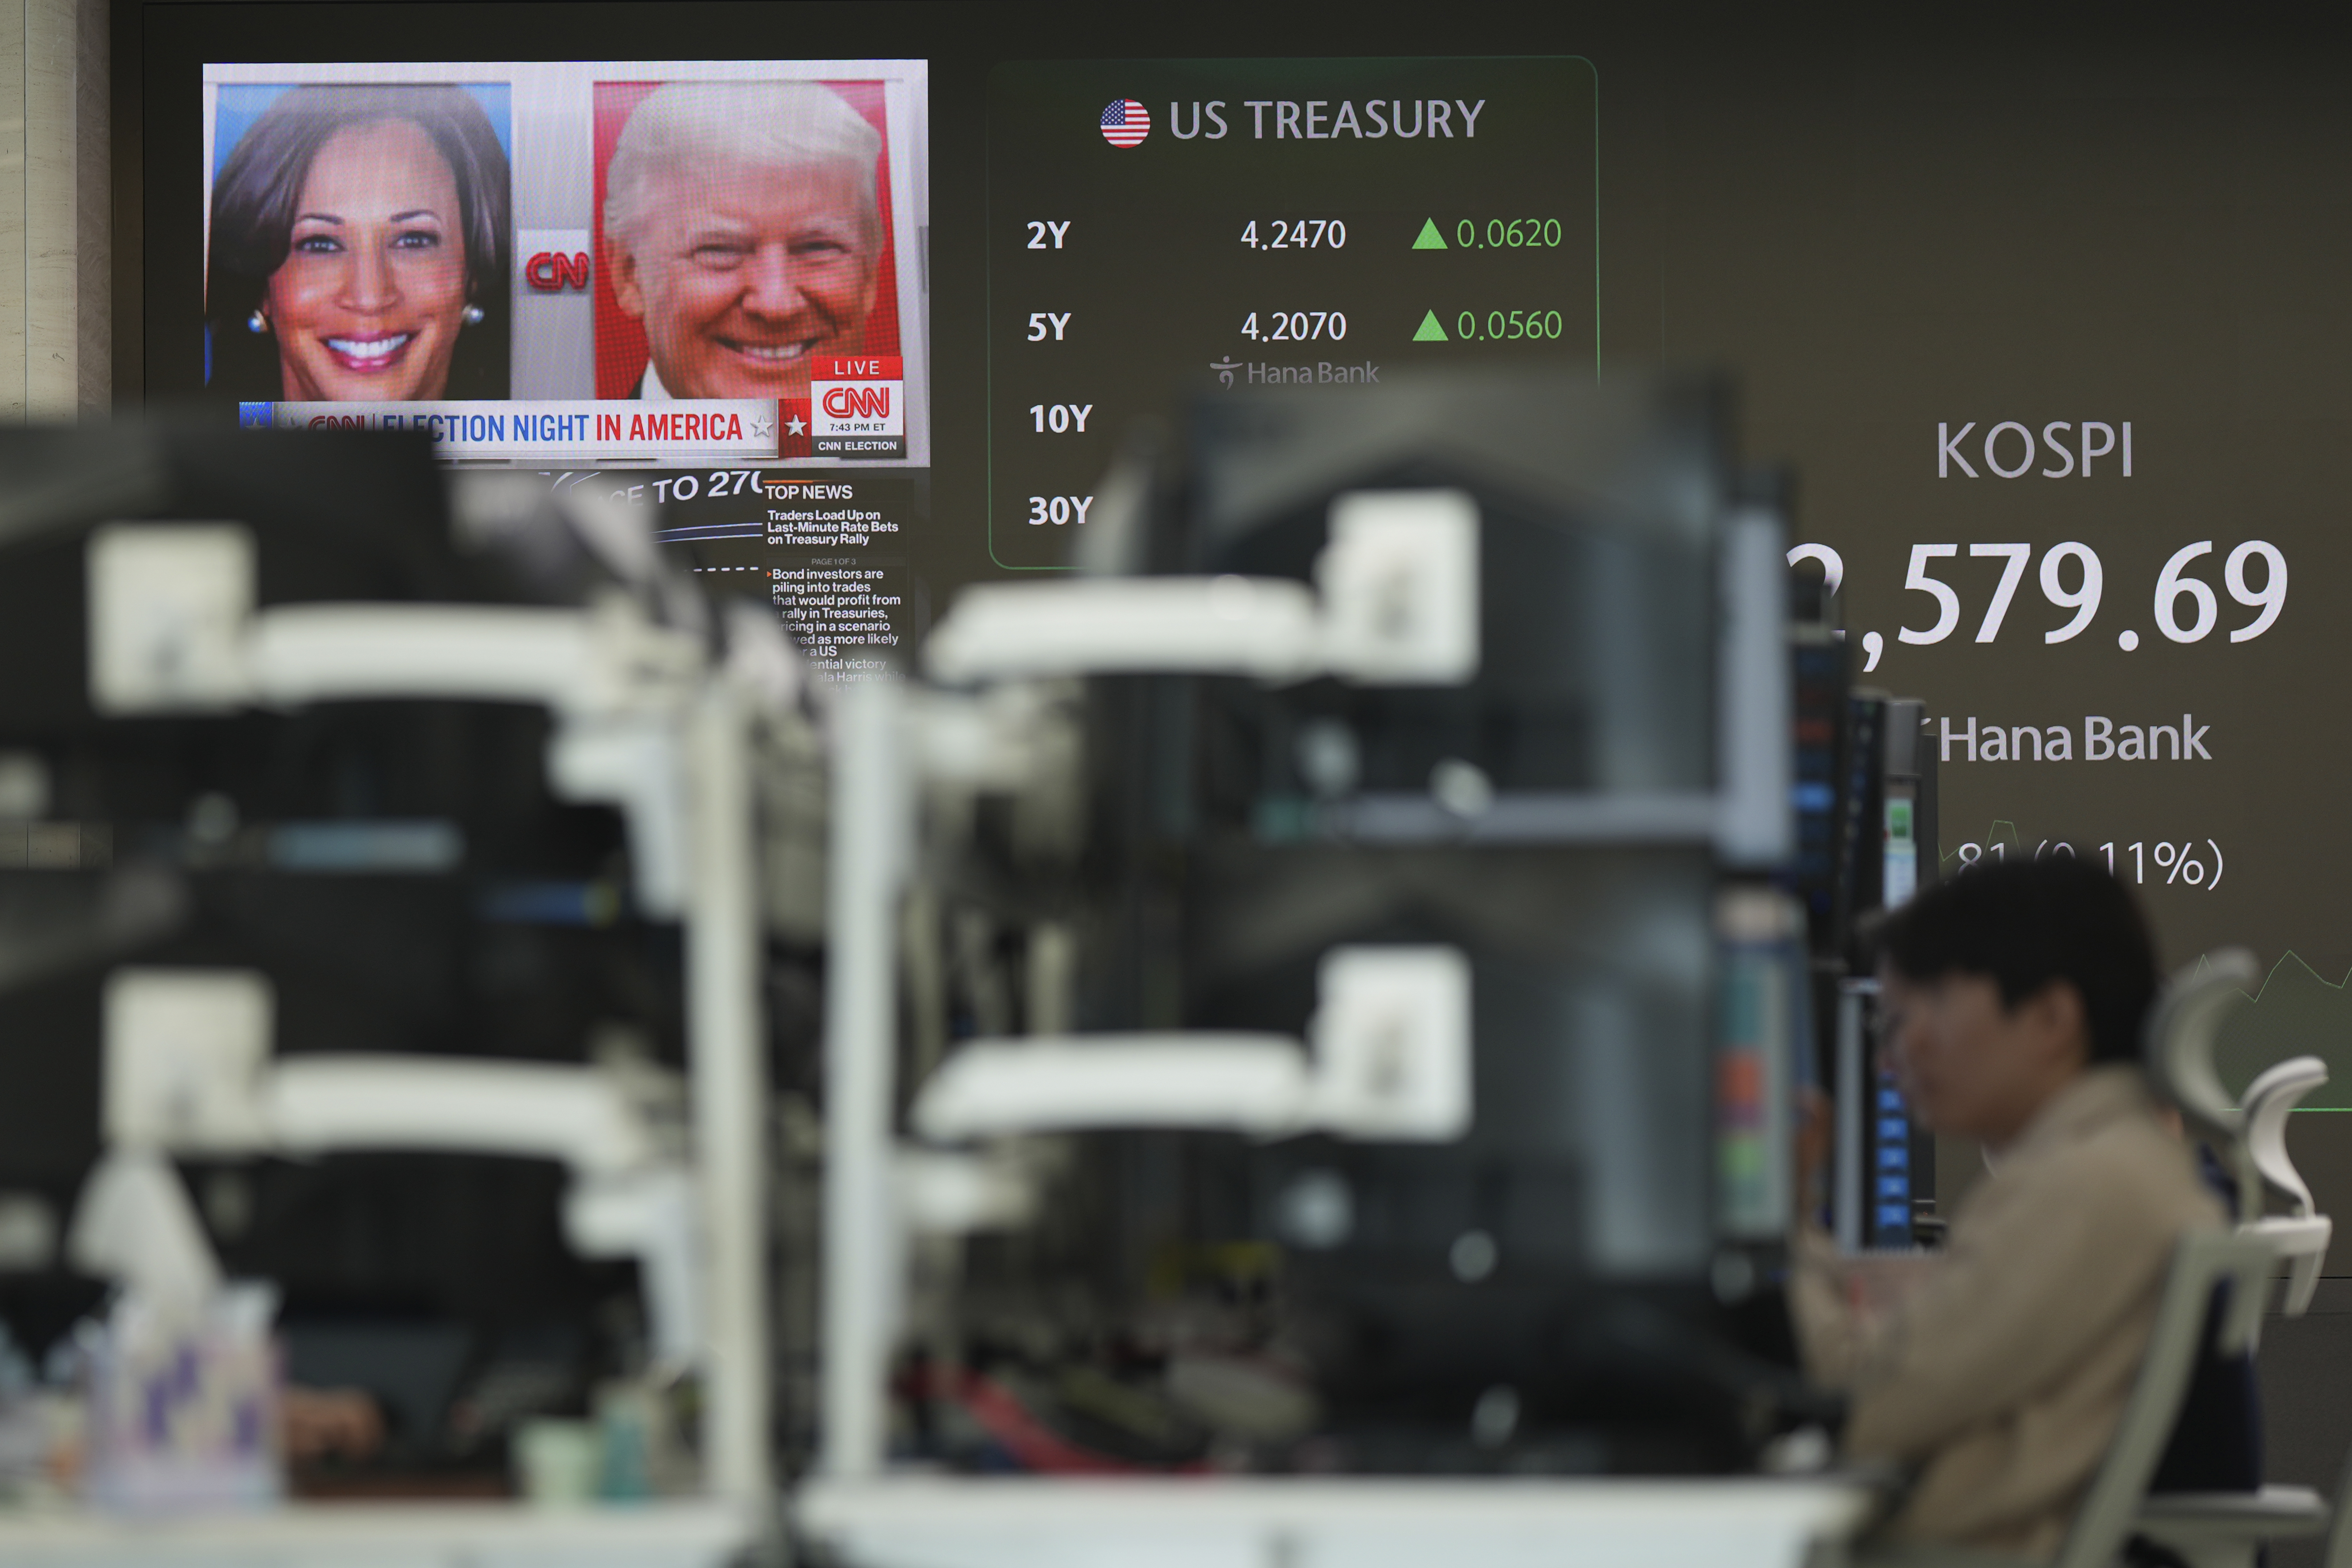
x,y
174,628
644,720
188,1069
1387,1057
1396,602
626,1199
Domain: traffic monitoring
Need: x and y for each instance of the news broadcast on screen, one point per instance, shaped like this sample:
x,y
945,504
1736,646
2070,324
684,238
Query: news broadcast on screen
x,y
579,263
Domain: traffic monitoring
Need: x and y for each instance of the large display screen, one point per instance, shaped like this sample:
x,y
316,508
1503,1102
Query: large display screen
x,y
629,261
2045,315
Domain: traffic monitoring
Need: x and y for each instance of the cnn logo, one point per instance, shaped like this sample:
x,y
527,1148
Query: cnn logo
x,y
857,401
553,272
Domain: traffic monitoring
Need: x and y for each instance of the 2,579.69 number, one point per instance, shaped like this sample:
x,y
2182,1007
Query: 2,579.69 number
x,y
2185,607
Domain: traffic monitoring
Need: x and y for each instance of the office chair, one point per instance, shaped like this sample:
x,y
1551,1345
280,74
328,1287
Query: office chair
x,y
2114,1505
2212,1529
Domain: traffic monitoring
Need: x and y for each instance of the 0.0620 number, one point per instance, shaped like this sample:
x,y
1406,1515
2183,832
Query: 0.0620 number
x,y
1514,234
1295,326
2186,607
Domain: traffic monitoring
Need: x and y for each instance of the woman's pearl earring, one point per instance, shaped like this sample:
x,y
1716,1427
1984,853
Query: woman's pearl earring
x,y
256,323
472,315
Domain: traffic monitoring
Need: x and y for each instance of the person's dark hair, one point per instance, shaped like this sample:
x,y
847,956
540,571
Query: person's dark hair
x,y
254,202
2025,923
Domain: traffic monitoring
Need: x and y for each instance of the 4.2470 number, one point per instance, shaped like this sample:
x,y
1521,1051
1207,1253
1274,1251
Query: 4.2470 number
x,y
1301,234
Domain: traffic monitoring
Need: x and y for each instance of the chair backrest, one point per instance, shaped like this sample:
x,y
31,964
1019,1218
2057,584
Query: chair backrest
x,y
2300,1237
2339,1531
2268,1101
2178,1052
2203,1261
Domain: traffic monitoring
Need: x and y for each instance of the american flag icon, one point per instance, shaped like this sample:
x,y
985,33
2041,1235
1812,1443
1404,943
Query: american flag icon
x,y
1126,122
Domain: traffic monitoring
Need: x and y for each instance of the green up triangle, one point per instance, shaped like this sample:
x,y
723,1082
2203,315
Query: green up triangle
x,y
1430,238
1429,331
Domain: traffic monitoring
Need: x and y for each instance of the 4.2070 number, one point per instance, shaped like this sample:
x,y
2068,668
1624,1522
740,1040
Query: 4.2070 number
x,y
1295,326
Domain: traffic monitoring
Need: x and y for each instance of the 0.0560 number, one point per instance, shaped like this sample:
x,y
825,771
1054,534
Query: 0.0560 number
x,y
1507,325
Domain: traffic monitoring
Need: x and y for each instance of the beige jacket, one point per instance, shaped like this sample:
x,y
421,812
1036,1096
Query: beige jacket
x,y
2001,1375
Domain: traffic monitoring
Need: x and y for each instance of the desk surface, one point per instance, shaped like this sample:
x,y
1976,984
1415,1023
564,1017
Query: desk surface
x,y
1022,1522
389,1535
1356,1523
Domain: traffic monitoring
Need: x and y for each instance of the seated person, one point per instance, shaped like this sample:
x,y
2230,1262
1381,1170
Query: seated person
x,y
2012,1002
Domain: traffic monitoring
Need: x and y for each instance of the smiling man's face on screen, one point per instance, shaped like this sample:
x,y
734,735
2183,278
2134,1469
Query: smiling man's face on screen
x,y
742,274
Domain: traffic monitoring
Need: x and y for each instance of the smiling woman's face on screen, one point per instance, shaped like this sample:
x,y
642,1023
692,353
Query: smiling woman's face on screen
x,y
370,299
742,274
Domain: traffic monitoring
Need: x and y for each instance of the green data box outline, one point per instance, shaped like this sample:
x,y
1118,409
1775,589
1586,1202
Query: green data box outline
x,y
988,255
